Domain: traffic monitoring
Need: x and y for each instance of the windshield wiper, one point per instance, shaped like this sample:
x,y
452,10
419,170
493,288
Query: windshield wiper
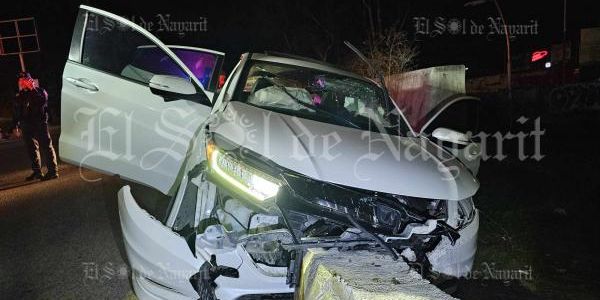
x,y
284,89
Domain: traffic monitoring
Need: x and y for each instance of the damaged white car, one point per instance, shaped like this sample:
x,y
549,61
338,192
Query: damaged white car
x,y
291,154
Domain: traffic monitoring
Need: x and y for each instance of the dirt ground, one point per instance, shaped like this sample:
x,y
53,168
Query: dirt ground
x,y
538,235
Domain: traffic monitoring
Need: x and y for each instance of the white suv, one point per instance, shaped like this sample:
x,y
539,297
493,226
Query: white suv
x,y
292,154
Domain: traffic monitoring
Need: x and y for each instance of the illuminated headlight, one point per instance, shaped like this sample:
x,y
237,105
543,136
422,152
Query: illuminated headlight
x,y
248,180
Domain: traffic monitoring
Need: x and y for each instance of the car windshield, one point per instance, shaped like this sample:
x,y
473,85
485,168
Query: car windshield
x,y
318,95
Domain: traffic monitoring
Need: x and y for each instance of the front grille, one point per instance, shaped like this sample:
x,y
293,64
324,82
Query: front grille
x,y
367,207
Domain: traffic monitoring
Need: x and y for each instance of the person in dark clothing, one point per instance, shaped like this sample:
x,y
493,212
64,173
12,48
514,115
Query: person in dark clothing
x,y
30,116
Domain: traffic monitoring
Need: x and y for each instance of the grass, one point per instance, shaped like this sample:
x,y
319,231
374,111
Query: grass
x,y
541,214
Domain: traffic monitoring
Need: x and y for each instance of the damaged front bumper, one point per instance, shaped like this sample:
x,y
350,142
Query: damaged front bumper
x,y
322,215
240,246
266,258
456,260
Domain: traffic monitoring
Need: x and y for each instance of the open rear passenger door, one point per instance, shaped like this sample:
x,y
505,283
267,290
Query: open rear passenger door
x,y
132,106
128,111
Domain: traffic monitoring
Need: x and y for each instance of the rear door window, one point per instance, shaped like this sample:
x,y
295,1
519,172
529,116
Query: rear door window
x,y
117,49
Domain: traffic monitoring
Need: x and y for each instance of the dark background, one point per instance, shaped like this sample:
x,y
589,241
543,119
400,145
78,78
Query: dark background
x,y
539,214
239,26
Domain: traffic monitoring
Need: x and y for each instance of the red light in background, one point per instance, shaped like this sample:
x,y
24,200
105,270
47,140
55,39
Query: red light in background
x,y
537,55
222,78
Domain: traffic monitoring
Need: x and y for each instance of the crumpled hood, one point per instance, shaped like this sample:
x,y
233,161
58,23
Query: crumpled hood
x,y
347,156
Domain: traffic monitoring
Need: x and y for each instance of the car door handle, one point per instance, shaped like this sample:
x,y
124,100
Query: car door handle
x,y
82,83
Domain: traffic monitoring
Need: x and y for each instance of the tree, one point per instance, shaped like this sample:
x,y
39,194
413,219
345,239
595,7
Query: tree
x,y
313,28
387,49
390,52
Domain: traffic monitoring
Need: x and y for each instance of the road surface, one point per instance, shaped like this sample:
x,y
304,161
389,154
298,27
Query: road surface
x,y
61,238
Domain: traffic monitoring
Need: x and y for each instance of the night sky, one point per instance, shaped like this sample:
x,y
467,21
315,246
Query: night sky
x,y
236,27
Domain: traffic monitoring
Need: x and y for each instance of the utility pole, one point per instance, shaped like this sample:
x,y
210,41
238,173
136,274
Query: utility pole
x,y
564,43
507,38
21,58
508,56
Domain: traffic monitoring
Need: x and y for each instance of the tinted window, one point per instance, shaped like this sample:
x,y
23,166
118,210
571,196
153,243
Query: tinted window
x,y
201,64
116,48
152,60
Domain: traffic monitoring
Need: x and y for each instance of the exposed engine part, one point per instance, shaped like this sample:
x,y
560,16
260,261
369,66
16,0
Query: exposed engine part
x,y
334,217
234,215
295,267
434,208
261,234
243,218
375,237
309,225
215,237
414,228
266,248
262,220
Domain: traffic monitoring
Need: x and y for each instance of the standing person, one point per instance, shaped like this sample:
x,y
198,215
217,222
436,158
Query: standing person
x,y
30,116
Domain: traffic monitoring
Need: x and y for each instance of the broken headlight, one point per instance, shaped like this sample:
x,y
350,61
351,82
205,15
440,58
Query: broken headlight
x,y
388,214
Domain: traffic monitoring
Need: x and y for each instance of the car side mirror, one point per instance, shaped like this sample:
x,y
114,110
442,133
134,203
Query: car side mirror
x,y
173,88
452,136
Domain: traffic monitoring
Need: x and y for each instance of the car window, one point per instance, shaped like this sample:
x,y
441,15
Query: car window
x,y
201,64
116,48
